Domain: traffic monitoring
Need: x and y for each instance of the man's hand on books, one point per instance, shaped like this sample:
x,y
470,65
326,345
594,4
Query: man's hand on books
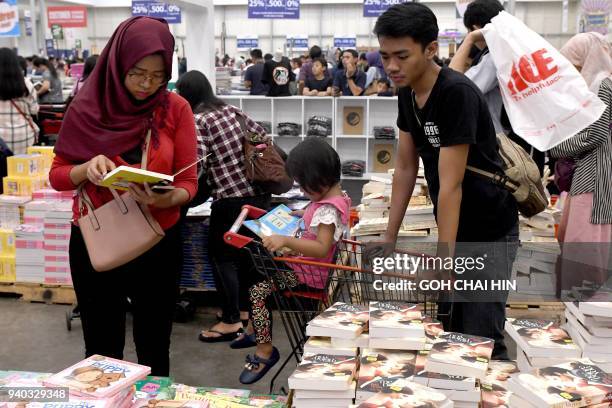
x,y
98,167
274,243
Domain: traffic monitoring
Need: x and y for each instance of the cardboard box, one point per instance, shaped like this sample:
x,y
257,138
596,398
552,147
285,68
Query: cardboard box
x,y
384,157
353,120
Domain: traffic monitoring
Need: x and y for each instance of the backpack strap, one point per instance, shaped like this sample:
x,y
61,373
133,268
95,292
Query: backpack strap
x,y
499,179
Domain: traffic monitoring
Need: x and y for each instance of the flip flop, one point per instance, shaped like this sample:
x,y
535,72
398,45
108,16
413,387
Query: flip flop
x,y
247,341
219,339
253,362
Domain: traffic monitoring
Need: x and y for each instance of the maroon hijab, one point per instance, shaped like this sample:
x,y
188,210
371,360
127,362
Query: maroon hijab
x,y
104,118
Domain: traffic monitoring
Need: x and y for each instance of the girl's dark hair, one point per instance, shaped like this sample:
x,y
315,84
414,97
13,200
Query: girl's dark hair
x,y
196,89
90,64
43,61
414,20
12,83
314,164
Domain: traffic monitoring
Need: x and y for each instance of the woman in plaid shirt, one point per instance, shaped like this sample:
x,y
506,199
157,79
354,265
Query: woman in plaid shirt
x,y
220,130
17,105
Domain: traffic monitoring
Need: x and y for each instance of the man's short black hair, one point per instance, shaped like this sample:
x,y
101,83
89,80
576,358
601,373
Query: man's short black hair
x,y
321,61
315,52
354,53
314,164
414,20
480,12
268,57
385,81
256,53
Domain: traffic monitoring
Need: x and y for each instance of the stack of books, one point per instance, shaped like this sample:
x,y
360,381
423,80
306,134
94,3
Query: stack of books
x,y
223,80
29,254
577,383
408,394
590,325
47,156
7,255
323,345
534,267
494,388
397,326
463,391
11,210
57,227
34,212
540,343
323,380
26,173
460,354
380,368
344,323
101,379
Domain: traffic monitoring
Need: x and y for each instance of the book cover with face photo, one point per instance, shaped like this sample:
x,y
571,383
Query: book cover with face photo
x,y
541,338
396,319
123,399
460,354
406,394
493,388
323,372
98,376
577,383
340,320
433,328
376,363
437,380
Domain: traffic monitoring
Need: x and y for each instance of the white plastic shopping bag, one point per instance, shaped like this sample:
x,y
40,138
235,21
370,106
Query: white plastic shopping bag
x,y
546,98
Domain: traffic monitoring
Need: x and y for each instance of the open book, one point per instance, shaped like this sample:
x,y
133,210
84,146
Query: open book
x,y
122,176
279,221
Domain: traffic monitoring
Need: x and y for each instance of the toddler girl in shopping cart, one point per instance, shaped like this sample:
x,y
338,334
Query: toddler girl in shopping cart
x,y
315,166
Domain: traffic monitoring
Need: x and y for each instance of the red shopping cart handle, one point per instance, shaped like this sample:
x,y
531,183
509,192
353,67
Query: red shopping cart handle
x,y
232,237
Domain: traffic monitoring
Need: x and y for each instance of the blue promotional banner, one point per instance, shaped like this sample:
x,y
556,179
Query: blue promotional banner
x,y
374,8
247,43
276,9
169,12
297,43
50,46
345,42
9,19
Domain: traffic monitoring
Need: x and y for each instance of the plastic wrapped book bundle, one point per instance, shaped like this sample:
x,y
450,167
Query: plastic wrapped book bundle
x,y
319,126
266,125
289,129
384,132
354,168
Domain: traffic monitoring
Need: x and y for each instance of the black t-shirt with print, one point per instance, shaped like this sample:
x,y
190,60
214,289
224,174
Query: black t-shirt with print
x,y
456,113
319,85
278,75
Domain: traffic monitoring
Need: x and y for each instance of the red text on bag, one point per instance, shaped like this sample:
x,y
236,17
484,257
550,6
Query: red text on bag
x,y
531,68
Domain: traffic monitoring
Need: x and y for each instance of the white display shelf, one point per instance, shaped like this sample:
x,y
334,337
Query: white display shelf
x,y
378,111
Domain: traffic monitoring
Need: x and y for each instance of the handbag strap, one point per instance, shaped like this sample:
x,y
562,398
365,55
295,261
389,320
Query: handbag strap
x,y
499,179
145,151
28,118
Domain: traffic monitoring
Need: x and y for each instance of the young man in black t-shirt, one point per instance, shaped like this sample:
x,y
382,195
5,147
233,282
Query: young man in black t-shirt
x,y
444,120
319,84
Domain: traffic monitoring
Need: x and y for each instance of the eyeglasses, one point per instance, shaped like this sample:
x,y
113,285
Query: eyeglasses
x,y
156,79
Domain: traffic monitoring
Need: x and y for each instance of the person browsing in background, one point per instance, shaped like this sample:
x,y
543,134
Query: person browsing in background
x,y
315,166
17,105
306,72
51,90
278,75
124,104
254,74
350,81
220,130
319,84
585,231
383,88
375,72
444,121
90,64
481,70
296,65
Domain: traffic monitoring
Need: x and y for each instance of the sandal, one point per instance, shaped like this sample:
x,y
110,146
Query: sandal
x,y
218,339
249,376
247,341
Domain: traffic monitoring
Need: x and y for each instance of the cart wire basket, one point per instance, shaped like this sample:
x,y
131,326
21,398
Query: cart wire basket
x,y
348,279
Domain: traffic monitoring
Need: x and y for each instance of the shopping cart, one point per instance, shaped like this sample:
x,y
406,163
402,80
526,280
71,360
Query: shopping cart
x,y
347,279
50,118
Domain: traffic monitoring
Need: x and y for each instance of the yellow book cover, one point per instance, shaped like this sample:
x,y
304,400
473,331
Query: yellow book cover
x,y
7,242
44,150
25,165
7,268
22,186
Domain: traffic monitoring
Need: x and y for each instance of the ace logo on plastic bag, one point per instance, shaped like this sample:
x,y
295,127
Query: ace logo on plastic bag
x,y
546,98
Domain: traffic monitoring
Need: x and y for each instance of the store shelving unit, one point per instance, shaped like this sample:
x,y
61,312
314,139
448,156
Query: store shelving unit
x,y
378,111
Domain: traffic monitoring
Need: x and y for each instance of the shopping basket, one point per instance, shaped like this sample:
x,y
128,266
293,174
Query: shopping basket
x,y
347,279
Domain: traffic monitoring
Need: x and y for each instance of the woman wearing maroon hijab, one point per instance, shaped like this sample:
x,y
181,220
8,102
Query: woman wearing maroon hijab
x,y
106,126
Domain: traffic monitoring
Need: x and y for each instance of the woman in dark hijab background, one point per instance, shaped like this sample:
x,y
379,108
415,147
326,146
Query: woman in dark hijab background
x,y
106,126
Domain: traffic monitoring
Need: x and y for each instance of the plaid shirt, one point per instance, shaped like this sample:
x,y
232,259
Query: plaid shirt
x,y
219,134
15,130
